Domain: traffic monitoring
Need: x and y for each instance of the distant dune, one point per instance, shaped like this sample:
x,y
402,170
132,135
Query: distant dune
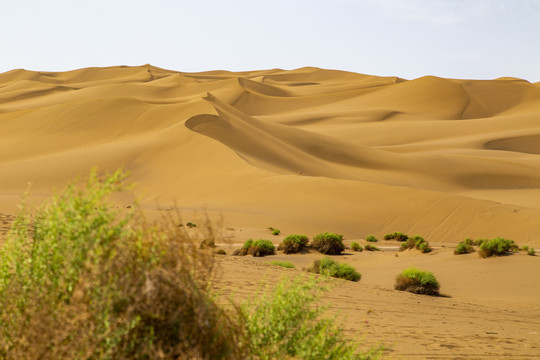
x,y
307,150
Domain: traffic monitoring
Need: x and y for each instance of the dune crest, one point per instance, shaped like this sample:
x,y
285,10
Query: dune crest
x,y
308,148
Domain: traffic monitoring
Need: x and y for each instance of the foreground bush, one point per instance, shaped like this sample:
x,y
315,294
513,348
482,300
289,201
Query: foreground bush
x,y
328,243
79,280
416,242
259,247
294,243
396,236
329,267
286,323
417,282
496,247
82,281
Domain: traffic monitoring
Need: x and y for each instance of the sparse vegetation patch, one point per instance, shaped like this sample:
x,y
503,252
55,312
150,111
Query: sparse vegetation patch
x,y
396,236
328,243
285,264
369,247
356,246
496,247
416,242
329,267
417,281
371,238
294,243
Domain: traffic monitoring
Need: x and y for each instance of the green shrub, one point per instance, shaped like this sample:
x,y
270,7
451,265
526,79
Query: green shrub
x,y
287,323
259,247
369,247
329,267
328,243
525,248
497,246
285,264
417,282
479,242
356,246
371,238
464,247
294,243
276,232
396,236
82,280
221,252
191,225
531,252
416,242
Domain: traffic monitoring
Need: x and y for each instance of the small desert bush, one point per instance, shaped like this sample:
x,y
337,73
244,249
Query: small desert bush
x,y
276,232
416,242
464,247
417,282
328,243
329,267
191,225
285,264
259,247
396,236
497,247
287,322
525,248
356,246
531,251
369,247
371,238
479,242
294,243
221,252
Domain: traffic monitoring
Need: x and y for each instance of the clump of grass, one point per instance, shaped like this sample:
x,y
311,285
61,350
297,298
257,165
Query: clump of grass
x,y
287,322
417,281
525,248
191,225
369,247
221,252
371,238
396,236
259,247
328,243
276,232
81,280
294,243
496,247
531,251
329,267
464,247
285,264
416,242
356,246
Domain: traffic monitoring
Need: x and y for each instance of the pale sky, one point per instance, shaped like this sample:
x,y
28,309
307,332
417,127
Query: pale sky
x,y
474,39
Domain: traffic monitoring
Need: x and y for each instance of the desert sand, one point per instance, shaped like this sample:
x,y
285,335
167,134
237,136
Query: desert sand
x,y
308,151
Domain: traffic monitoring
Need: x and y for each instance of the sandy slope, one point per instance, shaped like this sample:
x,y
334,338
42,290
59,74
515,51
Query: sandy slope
x,y
309,150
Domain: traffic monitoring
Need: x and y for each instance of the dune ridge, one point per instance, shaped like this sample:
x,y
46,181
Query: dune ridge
x,y
353,152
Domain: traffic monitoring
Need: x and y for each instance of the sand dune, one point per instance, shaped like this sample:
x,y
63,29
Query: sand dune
x,y
307,151
320,143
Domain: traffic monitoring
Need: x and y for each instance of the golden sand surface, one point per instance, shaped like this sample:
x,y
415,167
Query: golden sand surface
x,y
308,151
